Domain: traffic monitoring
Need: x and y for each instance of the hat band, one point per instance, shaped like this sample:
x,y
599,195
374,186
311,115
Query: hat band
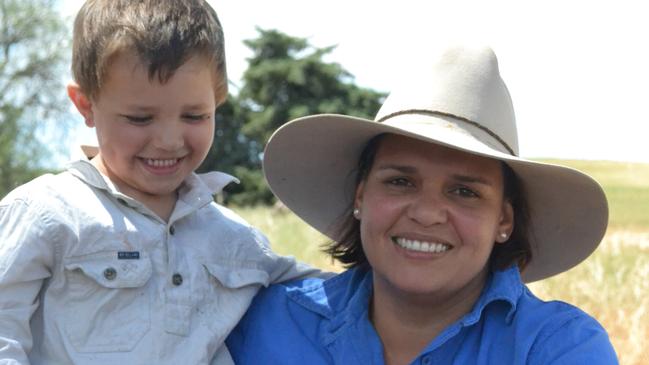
x,y
437,113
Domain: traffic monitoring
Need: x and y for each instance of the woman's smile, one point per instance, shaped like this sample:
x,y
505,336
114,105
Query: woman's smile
x,y
421,246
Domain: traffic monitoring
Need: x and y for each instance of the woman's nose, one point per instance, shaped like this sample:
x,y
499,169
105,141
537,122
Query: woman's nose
x,y
428,210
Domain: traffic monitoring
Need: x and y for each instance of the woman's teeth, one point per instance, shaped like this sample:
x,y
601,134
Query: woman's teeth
x,y
421,246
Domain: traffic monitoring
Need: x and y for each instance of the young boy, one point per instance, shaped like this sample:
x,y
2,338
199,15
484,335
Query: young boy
x,y
126,259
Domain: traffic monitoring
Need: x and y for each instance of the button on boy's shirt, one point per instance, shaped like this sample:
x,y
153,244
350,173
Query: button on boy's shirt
x,y
316,322
105,281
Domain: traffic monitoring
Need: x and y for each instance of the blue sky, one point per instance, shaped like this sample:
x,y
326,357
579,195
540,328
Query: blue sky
x,y
577,70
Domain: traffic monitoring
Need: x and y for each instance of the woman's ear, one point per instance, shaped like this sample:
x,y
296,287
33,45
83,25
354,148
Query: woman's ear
x,y
82,102
358,197
506,223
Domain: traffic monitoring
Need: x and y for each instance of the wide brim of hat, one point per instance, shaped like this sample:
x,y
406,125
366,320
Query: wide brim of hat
x,y
310,165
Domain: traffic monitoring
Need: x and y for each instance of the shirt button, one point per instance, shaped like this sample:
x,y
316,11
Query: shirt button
x,y
172,230
110,273
177,279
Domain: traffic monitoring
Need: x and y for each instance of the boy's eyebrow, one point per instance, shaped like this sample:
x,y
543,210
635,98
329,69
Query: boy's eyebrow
x,y
196,106
150,109
142,108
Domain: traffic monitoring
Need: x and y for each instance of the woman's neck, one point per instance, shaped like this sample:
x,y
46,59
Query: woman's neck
x,y
407,323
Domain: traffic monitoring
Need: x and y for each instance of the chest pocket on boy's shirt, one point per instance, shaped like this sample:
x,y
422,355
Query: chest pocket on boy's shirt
x,y
109,305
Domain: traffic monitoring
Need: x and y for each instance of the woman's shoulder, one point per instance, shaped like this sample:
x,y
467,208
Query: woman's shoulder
x,y
524,308
544,331
552,313
563,331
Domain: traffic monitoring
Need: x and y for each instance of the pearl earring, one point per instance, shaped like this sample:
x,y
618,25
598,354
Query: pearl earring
x,y
503,235
357,213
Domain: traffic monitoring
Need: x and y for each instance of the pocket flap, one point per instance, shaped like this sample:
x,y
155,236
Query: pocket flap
x,y
237,277
107,270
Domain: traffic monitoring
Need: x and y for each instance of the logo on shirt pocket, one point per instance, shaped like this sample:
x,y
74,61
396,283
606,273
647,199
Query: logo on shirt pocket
x,y
109,305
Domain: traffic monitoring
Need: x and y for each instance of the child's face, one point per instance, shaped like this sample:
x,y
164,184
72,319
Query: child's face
x,y
151,135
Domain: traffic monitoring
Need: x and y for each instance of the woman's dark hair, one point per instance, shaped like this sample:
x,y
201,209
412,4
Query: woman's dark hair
x,y
348,249
517,249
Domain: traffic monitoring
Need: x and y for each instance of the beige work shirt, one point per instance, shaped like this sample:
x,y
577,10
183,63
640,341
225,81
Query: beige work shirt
x,y
91,276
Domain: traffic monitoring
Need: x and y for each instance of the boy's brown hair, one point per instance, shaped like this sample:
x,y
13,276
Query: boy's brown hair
x,y
164,34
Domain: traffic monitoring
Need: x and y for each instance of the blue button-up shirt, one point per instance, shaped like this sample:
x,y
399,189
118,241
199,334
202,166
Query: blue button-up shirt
x,y
326,322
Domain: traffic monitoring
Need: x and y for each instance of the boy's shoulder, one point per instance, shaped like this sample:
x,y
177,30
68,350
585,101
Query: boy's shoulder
x,y
46,187
48,201
218,218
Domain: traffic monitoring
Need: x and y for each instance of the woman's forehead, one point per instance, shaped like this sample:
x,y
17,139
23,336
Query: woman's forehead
x,y
413,154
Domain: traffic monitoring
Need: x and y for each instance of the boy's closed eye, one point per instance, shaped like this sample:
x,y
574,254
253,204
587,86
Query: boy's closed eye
x,y
196,117
137,119
145,119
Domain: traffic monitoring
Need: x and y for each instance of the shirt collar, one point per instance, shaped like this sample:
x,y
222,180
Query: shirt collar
x,y
346,296
342,299
196,191
505,286
347,291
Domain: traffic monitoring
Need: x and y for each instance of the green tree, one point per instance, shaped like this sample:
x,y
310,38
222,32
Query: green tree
x,y
33,48
231,150
286,78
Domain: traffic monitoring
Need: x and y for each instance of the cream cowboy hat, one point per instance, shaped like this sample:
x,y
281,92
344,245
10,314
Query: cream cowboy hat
x,y
461,102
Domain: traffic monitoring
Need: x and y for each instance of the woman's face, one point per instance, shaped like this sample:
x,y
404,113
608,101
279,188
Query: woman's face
x,y
429,217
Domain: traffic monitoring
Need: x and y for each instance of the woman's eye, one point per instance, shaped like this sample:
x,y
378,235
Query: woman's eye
x,y
465,192
399,181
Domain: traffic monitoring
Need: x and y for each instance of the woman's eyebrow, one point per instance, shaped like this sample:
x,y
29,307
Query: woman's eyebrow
x,y
405,169
463,178
469,179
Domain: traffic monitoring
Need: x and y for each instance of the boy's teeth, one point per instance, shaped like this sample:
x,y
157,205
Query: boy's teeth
x,y
160,163
420,246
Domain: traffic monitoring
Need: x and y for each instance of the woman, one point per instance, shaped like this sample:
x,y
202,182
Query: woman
x,y
441,225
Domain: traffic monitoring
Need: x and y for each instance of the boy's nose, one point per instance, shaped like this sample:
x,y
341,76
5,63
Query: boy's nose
x,y
169,137
428,210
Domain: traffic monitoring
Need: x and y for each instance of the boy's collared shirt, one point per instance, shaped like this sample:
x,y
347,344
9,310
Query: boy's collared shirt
x,y
91,276
313,322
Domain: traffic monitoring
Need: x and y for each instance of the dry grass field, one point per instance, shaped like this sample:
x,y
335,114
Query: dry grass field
x,y
612,285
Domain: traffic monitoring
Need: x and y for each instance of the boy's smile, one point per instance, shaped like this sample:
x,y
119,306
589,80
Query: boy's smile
x,y
151,135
